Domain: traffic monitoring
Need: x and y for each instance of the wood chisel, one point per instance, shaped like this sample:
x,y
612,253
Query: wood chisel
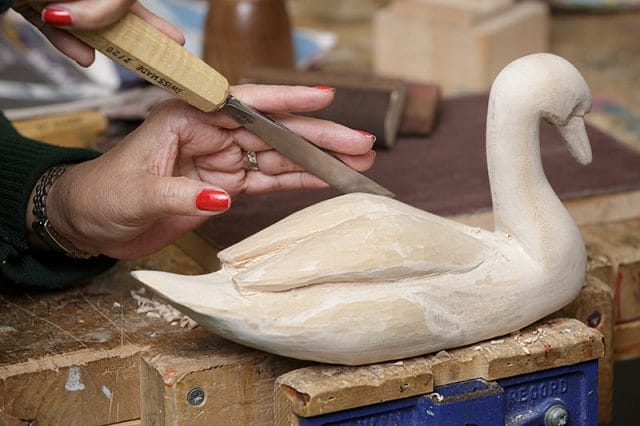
x,y
154,56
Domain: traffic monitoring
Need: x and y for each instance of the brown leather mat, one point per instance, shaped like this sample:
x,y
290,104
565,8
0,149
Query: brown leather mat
x,y
446,173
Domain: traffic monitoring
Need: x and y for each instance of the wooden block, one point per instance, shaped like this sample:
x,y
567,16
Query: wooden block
x,y
453,12
412,113
94,387
459,58
362,101
594,307
592,210
522,30
74,354
200,250
323,389
626,344
614,257
421,109
235,384
76,129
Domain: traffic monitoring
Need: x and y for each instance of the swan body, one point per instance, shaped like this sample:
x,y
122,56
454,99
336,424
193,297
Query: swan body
x,y
362,278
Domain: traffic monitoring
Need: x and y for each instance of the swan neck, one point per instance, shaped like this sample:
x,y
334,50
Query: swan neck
x,y
524,204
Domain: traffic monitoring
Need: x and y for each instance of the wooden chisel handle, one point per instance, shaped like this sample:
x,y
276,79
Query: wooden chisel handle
x,y
152,55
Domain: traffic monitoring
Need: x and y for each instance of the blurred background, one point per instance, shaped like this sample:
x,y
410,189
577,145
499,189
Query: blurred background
x,y
435,48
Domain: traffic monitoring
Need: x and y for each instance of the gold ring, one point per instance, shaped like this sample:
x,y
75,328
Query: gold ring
x,y
252,159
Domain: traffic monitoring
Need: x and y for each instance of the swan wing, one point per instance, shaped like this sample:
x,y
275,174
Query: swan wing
x,y
379,247
305,224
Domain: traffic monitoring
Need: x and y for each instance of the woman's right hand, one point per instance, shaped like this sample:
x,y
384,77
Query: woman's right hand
x,y
85,15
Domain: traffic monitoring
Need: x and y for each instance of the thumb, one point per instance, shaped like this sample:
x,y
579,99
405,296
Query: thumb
x,y
186,197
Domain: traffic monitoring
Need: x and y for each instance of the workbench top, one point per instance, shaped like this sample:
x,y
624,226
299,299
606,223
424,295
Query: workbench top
x,y
86,353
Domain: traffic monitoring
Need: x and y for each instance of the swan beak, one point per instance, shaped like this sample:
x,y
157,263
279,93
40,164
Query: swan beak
x,y
574,133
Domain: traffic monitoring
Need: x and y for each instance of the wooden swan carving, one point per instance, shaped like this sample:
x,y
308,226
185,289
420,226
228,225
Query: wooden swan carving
x,y
362,278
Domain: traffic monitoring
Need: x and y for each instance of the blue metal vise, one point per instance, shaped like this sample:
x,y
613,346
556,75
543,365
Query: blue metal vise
x,y
555,397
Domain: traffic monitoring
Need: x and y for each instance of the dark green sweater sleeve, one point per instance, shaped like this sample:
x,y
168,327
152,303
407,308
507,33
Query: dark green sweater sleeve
x,y
22,162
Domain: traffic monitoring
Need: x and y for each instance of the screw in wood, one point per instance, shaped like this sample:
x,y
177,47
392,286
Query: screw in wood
x,y
594,319
195,396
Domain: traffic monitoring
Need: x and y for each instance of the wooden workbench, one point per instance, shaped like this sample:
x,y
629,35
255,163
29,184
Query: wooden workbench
x,y
84,356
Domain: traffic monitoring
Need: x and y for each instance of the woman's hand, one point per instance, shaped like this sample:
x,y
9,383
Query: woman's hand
x,y
182,166
85,15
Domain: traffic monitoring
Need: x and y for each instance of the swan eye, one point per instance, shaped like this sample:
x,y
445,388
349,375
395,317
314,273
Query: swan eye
x,y
580,110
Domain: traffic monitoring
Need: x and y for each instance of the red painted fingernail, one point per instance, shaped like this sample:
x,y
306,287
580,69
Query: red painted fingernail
x,y
325,88
56,17
367,134
213,200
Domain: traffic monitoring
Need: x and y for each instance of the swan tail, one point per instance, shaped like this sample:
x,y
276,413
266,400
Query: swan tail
x,y
211,294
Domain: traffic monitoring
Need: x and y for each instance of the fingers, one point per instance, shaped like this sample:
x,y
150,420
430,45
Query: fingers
x,y
274,173
72,47
273,98
163,26
329,135
84,14
259,183
273,163
96,14
87,15
278,101
325,134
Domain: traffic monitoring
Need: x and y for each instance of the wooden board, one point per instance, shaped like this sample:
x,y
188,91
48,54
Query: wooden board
x,y
323,389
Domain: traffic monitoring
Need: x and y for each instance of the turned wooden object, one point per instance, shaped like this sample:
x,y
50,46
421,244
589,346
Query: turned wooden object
x,y
247,33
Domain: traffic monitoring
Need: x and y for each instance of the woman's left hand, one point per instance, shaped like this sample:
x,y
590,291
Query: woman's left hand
x,y
182,165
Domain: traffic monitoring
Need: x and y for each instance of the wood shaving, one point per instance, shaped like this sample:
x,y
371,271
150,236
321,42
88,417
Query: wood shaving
x,y
523,343
154,309
524,349
443,354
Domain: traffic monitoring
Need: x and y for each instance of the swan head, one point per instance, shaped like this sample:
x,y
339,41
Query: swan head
x,y
552,88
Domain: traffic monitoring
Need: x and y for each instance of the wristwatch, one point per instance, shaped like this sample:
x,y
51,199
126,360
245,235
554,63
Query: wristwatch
x,y
41,225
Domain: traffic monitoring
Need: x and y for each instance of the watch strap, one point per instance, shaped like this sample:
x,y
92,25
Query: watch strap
x,y
41,225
